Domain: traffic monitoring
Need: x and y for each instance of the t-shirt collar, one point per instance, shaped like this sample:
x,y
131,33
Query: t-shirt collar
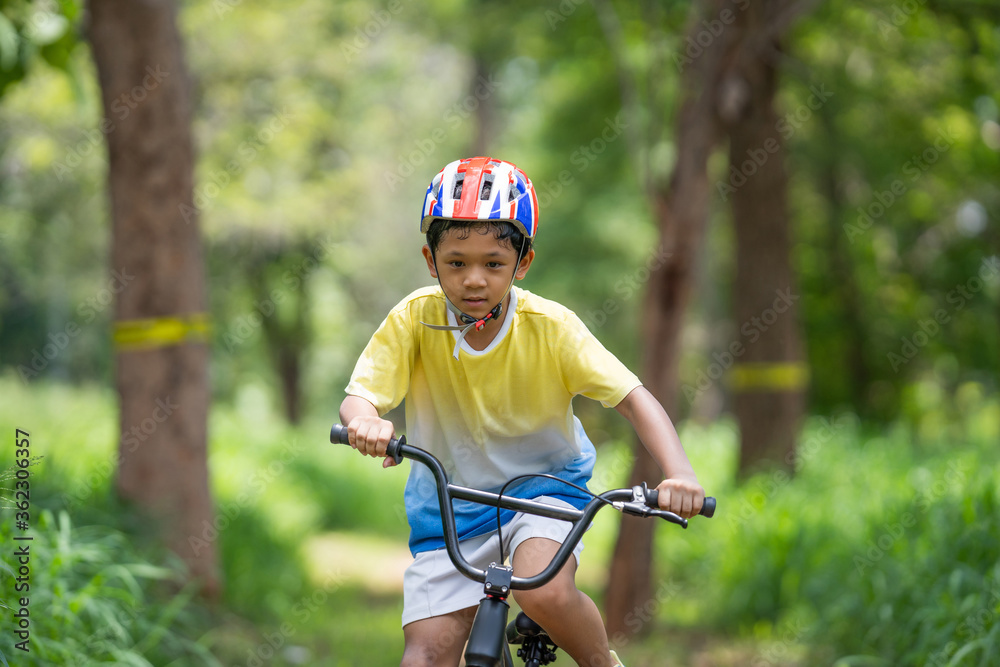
x,y
504,327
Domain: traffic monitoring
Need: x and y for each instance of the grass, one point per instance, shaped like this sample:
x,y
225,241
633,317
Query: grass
x,y
85,594
880,550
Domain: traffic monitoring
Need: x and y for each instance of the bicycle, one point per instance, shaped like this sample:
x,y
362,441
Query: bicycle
x,y
491,635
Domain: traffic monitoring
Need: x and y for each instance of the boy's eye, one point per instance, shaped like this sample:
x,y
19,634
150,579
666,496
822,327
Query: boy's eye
x,y
456,264
494,265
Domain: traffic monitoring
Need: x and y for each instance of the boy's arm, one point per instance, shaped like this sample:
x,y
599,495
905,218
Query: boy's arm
x,y
369,434
680,492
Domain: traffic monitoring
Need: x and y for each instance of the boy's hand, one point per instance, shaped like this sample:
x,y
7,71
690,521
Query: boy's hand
x,y
681,495
371,436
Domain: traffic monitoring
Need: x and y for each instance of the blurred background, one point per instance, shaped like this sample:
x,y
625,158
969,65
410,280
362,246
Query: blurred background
x,y
782,215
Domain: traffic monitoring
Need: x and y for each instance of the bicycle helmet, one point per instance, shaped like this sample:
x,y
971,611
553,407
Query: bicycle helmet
x,y
480,188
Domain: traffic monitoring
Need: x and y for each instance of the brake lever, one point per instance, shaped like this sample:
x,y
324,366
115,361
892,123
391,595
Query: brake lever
x,y
638,507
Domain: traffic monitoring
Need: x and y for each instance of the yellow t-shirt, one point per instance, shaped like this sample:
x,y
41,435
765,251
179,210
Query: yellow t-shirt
x,y
491,414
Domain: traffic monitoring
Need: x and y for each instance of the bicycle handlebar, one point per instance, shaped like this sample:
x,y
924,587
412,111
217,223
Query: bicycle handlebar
x,y
620,498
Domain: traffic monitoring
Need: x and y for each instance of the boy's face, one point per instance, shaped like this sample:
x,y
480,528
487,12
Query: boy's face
x,y
475,270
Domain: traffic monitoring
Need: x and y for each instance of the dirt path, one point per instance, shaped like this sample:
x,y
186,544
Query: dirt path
x,y
368,561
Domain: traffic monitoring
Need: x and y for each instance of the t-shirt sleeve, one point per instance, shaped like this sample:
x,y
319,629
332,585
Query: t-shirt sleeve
x,y
382,374
589,369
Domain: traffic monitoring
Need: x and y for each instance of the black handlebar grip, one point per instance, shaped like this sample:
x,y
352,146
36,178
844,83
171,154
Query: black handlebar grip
x,y
707,508
339,435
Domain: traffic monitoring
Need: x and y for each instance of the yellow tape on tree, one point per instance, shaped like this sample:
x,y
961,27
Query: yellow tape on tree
x,y
775,376
161,332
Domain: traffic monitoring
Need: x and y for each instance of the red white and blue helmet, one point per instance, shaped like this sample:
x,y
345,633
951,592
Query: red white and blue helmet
x,y
482,188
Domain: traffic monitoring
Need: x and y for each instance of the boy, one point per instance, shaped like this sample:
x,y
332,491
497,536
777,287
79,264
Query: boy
x,y
488,373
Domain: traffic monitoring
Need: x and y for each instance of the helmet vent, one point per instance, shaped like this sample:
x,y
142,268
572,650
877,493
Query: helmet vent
x,y
457,193
514,193
484,195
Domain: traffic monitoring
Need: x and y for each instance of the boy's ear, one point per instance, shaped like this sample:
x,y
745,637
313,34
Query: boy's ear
x,y
522,268
429,256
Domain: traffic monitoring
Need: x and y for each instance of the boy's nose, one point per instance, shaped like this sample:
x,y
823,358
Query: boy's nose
x,y
475,279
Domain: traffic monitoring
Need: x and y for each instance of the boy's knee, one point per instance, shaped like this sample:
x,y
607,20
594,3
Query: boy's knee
x,y
420,656
437,641
548,599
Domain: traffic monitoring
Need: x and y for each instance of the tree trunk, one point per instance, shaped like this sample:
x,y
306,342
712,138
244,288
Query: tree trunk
x,y
721,36
769,378
480,89
160,329
284,312
681,209
850,303
287,343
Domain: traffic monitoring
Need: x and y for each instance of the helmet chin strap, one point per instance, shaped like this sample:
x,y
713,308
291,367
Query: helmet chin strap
x,y
468,321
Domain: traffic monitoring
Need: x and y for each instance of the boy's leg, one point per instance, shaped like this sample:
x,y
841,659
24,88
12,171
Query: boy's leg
x,y
568,615
439,603
437,641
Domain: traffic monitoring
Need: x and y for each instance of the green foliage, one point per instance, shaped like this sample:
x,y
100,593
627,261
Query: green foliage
x,y
874,550
94,600
318,127
35,30
275,488
272,485
897,259
936,600
879,529
318,142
